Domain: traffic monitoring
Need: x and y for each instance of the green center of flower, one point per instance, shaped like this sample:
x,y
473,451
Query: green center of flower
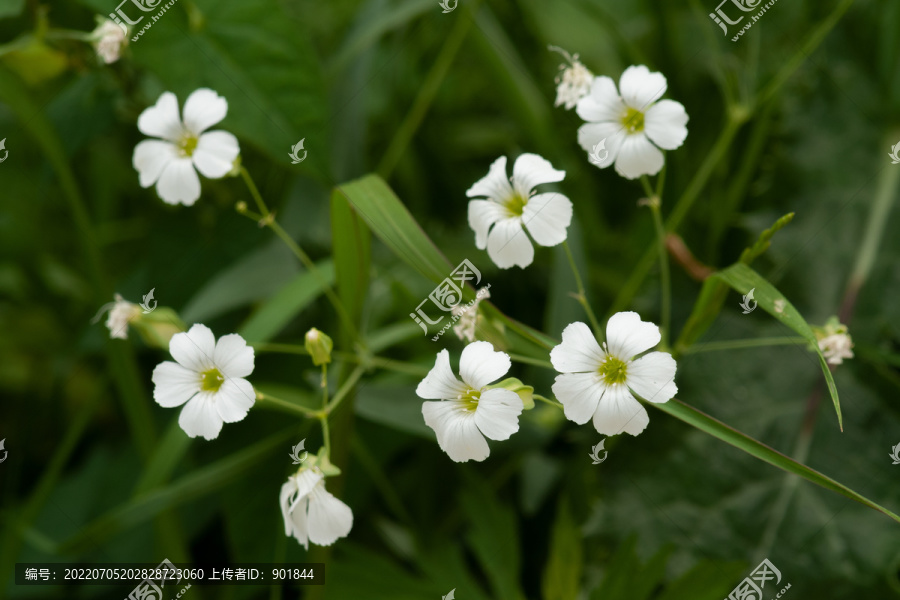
x,y
471,398
211,381
613,370
516,205
187,144
634,120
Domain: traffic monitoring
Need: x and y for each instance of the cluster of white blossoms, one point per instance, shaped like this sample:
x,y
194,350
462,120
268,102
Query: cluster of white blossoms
x,y
834,341
574,83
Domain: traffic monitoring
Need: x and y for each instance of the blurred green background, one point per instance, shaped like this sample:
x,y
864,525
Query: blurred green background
x,y
97,472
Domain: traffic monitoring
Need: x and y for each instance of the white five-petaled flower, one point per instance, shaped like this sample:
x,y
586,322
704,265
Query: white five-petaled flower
x,y
466,411
508,208
631,120
602,382
209,376
109,39
185,145
311,513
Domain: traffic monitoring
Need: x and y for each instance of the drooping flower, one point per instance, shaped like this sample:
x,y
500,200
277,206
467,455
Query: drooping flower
x,y
170,162
507,208
575,81
834,341
121,312
311,513
108,40
632,121
468,315
602,382
466,410
209,377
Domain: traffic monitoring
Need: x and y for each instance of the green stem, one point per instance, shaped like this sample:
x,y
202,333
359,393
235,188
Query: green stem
x,y
582,296
326,436
740,344
345,389
664,277
530,361
547,400
69,34
285,405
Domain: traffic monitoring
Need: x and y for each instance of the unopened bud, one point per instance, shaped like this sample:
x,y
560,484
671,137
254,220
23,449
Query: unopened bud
x,y
319,346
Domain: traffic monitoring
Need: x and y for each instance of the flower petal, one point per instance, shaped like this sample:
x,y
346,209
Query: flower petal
x,y
179,183
150,159
627,335
611,134
579,351
234,399
579,393
602,103
441,383
199,417
546,217
497,414
457,433
329,518
618,411
174,384
532,170
508,245
665,124
479,365
161,120
640,88
232,356
483,214
284,502
203,109
637,157
652,377
299,521
494,185
215,154
194,349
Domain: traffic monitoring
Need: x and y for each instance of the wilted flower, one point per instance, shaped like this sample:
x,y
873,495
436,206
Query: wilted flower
x,y
631,120
602,383
468,315
209,377
185,145
510,207
575,81
311,513
121,312
467,411
834,341
109,39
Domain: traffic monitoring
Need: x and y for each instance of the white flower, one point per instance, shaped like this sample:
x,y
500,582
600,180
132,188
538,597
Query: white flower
x,y
467,412
209,376
109,39
120,313
574,84
602,383
311,513
170,162
468,315
631,121
836,348
509,207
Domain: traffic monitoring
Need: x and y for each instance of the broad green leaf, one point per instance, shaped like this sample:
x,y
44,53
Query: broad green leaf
x,y
351,243
742,278
717,429
562,575
707,580
287,303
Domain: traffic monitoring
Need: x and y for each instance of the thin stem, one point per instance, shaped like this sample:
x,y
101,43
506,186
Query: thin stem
x,y
740,344
69,34
345,389
326,435
547,400
284,404
324,385
530,361
665,280
582,296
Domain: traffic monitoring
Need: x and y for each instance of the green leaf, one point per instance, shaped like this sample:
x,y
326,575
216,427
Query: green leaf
x,y
287,303
562,575
707,580
11,8
717,429
742,278
352,248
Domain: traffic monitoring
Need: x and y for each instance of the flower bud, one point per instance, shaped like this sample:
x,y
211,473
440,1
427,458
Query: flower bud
x,y
319,346
525,392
